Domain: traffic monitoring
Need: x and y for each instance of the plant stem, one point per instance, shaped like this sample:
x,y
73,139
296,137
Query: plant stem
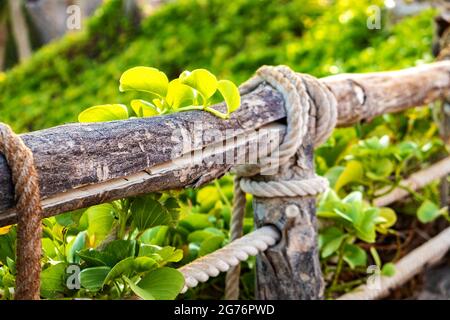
x,y
189,108
339,264
222,195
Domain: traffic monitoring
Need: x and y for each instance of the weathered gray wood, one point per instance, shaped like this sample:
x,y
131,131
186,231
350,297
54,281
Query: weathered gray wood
x,y
81,164
442,51
290,269
94,163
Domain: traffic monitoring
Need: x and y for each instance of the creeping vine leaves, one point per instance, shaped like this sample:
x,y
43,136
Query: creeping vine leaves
x,y
196,90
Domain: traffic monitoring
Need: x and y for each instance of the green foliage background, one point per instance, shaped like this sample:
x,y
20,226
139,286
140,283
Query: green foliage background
x,y
230,38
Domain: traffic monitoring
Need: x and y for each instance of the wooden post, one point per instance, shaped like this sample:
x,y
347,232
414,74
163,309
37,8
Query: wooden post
x,y
291,269
442,51
445,135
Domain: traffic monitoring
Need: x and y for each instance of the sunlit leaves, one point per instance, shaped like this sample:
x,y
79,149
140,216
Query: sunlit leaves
x,y
179,95
356,216
106,112
5,230
144,108
230,93
191,91
145,79
100,220
201,80
353,172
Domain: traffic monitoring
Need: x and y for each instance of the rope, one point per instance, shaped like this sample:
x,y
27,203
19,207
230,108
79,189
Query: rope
x,y
28,205
410,265
236,228
222,260
305,99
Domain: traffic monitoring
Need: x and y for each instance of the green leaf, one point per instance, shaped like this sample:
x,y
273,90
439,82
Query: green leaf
x,y
200,235
330,239
100,220
354,197
53,280
144,294
388,269
161,284
96,258
354,256
230,93
11,265
49,248
77,244
120,249
353,172
179,95
125,266
333,173
389,219
93,278
428,211
380,169
106,112
196,221
144,264
201,80
170,254
365,225
148,212
207,197
156,235
210,244
145,79
144,108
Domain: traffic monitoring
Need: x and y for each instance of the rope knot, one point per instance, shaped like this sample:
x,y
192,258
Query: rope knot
x,y
310,108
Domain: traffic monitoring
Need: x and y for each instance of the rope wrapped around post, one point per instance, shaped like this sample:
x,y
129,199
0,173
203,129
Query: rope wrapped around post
x,y
305,98
28,204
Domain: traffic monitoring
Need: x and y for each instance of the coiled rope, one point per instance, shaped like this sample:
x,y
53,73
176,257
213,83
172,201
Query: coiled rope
x,y
28,205
201,269
305,98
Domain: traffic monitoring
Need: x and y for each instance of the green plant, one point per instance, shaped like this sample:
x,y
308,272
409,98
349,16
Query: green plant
x,y
352,220
194,90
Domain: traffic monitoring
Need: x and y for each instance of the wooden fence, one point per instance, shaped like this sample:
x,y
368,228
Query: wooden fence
x,y
80,165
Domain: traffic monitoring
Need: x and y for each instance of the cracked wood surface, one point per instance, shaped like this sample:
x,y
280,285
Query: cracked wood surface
x,y
84,164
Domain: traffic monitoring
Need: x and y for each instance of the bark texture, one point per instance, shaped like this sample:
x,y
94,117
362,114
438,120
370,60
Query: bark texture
x,y
290,269
84,164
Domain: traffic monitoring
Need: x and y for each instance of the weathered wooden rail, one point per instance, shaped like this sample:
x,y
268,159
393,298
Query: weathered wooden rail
x,y
85,164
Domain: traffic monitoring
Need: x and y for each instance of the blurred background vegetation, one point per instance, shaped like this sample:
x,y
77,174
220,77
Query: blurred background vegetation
x,y
231,38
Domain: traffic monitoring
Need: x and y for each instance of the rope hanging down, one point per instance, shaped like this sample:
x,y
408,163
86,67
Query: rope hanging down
x,y
310,106
201,269
28,205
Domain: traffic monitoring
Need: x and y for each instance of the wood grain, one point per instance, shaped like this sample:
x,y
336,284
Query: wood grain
x,y
80,164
